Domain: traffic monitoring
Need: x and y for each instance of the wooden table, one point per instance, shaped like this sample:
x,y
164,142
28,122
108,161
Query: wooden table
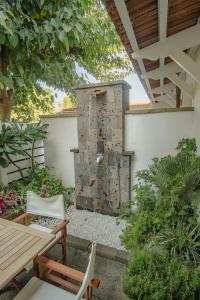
x,y
19,244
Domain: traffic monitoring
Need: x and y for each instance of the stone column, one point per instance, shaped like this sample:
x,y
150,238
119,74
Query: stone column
x,y
101,129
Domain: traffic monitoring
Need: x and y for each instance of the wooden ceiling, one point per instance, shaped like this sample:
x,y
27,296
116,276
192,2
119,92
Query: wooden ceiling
x,y
143,14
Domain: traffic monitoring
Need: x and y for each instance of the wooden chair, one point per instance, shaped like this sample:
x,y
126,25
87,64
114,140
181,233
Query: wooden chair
x,y
37,289
48,207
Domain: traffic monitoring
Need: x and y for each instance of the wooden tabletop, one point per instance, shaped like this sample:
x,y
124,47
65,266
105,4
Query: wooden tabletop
x,y
19,244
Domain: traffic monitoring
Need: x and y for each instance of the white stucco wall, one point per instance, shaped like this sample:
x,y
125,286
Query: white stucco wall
x,y
196,104
62,136
156,135
149,135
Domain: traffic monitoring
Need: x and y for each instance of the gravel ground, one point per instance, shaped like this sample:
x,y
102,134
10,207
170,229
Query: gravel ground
x,y
91,226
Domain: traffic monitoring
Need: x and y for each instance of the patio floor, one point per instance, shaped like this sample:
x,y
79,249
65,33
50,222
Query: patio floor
x,y
109,271
92,226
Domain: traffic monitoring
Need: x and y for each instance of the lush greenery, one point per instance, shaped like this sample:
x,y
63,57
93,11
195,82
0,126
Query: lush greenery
x,y
46,41
41,181
15,140
163,235
28,107
68,102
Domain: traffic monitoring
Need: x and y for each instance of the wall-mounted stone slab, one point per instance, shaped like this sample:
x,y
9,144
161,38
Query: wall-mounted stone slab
x,y
105,186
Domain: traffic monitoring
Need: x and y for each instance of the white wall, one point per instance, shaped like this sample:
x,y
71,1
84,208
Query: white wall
x,y
196,104
155,135
62,136
149,135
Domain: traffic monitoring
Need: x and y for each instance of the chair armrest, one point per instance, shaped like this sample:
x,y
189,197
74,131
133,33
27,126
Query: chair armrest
x,y
60,227
47,263
23,217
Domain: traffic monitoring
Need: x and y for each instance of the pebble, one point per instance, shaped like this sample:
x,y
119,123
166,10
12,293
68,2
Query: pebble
x,y
92,226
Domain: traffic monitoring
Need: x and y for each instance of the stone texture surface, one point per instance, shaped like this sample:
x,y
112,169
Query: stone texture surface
x,y
103,187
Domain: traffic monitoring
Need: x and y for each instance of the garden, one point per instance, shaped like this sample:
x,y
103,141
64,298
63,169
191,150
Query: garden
x,y
163,235
19,141
48,49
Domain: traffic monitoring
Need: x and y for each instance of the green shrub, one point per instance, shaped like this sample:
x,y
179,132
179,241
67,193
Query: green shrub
x,y
155,276
163,232
36,181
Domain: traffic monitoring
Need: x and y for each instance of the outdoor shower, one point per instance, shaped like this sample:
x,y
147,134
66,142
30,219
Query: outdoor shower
x,y
99,158
102,167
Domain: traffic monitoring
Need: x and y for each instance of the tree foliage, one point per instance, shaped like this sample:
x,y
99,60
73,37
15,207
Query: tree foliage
x,y
164,231
68,102
46,40
29,105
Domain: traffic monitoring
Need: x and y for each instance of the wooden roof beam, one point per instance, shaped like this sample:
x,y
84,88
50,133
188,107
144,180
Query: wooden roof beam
x,y
170,71
167,88
159,72
166,99
162,21
173,47
187,64
182,40
185,87
124,16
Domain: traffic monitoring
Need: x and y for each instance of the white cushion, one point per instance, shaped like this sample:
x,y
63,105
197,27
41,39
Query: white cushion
x,y
49,207
37,289
29,266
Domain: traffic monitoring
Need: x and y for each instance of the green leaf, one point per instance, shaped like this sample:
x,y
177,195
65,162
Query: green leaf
x,y
3,19
2,38
20,81
7,148
61,36
67,27
6,81
3,162
14,40
66,42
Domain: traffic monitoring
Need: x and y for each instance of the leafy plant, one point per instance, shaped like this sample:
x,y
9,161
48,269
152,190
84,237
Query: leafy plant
x,y
156,276
31,103
15,137
31,134
165,229
181,240
45,41
39,181
11,144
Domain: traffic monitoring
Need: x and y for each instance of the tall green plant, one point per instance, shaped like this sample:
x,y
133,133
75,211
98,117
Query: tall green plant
x,y
165,228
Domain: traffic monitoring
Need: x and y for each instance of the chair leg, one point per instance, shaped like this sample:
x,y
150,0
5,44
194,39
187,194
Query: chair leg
x,y
16,284
64,250
88,293
35,267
